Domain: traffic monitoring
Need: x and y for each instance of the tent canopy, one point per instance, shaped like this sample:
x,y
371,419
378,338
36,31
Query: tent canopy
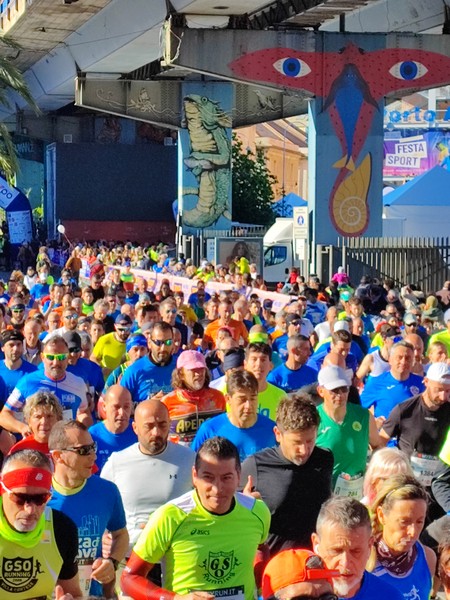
x,y
284,205
431,188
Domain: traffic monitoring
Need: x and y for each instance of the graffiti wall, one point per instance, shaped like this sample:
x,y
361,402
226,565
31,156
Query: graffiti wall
x,y
350,84
204,167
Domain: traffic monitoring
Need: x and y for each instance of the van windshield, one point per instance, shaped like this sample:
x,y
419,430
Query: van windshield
x,y
274,255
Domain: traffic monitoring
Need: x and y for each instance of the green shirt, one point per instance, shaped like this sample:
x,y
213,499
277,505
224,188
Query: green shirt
x,y
203,551
348,441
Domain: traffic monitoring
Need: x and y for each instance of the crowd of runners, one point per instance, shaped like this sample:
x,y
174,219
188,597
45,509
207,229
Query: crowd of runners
x,y
175,430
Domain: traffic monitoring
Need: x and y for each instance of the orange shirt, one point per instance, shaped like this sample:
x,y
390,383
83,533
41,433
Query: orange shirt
x,y
188,410
238,328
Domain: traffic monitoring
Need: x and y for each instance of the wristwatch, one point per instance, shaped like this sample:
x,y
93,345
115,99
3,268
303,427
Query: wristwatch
x,y
114,561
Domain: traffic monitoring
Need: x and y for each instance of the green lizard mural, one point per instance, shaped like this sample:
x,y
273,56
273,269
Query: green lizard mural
x,y
209,161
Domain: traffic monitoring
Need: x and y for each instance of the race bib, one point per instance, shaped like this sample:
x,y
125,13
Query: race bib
x,y
424,467
349,486
84,574
67,414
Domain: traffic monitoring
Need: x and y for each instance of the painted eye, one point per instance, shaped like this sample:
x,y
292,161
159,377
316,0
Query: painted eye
x,y
292,67
408,70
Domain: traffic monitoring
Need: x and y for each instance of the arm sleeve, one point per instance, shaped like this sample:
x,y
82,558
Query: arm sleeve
x,y
134,582
16,399
440,486
66,537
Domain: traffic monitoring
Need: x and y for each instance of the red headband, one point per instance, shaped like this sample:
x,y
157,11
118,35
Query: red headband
x,y
28,476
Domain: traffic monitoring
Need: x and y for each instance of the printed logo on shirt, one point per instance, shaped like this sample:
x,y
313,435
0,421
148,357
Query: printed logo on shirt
x,y
356,426
19,574
414,390
219,566
200,532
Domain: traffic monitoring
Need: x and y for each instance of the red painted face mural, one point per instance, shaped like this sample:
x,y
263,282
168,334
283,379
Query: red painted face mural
x,y
351,82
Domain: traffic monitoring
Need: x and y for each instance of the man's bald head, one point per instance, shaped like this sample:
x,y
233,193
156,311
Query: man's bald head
x,y
118,406
151,425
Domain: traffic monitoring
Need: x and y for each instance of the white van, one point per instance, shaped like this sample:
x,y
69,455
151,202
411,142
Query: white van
x,y
279,251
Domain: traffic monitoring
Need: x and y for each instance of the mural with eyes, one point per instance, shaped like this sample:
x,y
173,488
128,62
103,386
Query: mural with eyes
x,y
351,83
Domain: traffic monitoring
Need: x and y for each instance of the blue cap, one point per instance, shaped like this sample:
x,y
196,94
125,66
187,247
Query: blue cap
x,y
123,320
136,340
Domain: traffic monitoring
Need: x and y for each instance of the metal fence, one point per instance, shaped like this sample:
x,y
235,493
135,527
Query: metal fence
x,y
424,262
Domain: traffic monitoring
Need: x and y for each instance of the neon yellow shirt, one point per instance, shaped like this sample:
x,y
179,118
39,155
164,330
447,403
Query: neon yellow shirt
x,y
109,351
203,551
445,452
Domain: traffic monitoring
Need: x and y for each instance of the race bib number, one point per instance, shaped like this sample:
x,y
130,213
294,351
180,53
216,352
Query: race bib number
x,y
424,467
349,486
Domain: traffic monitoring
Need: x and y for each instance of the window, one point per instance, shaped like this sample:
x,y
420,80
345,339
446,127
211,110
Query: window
x,y
275,255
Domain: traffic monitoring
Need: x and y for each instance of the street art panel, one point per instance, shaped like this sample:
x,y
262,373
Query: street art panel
x,y
351,84
205,160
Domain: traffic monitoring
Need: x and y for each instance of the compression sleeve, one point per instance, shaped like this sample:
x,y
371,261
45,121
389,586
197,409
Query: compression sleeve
x,y
134,581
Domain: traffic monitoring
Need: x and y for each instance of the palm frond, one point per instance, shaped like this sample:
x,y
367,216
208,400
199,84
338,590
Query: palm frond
x,y
8,157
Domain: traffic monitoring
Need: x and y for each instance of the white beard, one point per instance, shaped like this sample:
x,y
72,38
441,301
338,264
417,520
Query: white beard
x,y
342,587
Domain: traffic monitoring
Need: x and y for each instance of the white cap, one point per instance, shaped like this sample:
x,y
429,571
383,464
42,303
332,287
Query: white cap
x,y
333,377
342,325
439,372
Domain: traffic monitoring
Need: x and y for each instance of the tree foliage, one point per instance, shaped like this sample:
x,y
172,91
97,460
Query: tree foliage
x,y
252,186
11,80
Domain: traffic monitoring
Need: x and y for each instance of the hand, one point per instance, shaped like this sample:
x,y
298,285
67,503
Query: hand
x,y
60,595
249,489
25,431
379,421
103,570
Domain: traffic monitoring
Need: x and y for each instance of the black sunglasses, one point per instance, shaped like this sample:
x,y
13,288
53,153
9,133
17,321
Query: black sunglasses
x,y
22,499
82,450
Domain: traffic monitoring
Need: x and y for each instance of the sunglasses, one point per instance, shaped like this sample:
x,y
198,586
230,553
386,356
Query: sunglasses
x,y
160,343
22,499
82,450
74,350
123,329
73,317
59,357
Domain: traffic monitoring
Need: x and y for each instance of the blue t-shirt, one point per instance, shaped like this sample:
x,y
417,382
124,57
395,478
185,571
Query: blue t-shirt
x,y
97,507
324,348
11,377
39,290
280,345
108,442
90,372
316,312
144,379
373,588
289,380
384,392
248,441
70,390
